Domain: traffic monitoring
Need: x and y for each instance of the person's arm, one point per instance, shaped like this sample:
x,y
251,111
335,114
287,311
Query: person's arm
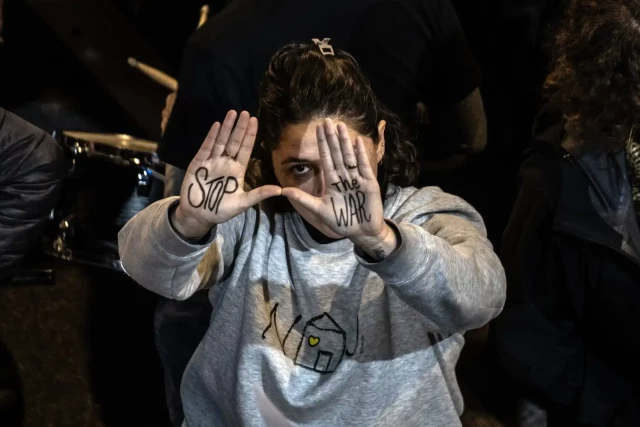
x,y
465,122
434,253
452,96
159,258
32,168
444,266
539,336
178,252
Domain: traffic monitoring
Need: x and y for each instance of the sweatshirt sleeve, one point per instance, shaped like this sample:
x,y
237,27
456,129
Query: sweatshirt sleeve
x,y
158,259
444,266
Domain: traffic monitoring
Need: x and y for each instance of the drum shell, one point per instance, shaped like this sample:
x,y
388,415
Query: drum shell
x,y
106,186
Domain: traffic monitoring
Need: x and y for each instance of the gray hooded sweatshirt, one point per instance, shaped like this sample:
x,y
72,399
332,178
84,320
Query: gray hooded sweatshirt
x,y
314,334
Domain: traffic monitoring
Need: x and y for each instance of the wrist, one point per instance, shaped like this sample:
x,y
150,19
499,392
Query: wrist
x,y
371,240
187,226
379,246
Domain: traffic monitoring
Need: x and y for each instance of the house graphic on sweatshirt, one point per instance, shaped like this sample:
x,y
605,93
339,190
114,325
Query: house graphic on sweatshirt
x,y
322,344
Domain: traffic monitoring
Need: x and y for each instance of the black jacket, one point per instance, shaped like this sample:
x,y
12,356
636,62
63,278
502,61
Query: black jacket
x,y
570,331
32,168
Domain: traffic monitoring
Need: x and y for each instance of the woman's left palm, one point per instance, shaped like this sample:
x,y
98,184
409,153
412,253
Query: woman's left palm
x,y
351,205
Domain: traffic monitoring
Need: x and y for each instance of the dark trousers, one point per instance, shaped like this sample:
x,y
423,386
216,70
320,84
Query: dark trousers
x,y
179,325
179,328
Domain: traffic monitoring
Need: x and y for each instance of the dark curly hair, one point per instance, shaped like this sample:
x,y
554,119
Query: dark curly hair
x,y
595,80
302,84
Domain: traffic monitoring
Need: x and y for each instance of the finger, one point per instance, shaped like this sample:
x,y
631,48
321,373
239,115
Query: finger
x,y
364,166
334,144
237,135
346,147
259,194
223,135
205,149
323,149
313,204
244,153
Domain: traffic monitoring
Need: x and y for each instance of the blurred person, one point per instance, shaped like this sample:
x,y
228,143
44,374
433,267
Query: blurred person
x,y
569,333
31,171
416,54
433,78
32,168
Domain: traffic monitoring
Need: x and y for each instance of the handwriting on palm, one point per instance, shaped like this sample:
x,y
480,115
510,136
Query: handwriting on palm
x,y
212,191
351,205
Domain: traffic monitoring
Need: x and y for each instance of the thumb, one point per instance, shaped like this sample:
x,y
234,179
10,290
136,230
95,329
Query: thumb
x,y
310,202
259,194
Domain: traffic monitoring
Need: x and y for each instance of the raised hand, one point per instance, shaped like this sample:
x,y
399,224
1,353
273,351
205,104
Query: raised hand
x,y
212,190
351,205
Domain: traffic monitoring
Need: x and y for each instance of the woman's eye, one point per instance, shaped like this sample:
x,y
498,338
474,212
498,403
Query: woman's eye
x,y
300,170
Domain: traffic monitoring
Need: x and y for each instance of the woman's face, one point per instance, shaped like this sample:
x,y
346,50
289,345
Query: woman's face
x,y
296,163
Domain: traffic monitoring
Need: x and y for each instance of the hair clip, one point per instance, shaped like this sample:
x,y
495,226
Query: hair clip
x,y
325,47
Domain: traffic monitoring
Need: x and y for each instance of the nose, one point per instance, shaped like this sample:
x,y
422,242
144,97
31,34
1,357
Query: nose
x,y
319,185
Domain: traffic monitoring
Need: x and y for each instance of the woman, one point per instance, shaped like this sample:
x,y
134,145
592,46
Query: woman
x,y
334,305
569,332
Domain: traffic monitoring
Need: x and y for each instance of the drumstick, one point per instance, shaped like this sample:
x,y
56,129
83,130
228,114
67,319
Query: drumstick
x,y
155,74
204,14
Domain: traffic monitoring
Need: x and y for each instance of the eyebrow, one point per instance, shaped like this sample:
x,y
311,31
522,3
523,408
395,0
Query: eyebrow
x,y
295,160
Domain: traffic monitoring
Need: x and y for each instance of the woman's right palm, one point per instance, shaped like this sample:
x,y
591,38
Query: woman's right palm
x,y
213,188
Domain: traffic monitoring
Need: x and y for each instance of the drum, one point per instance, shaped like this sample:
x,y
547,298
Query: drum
x,y
111,177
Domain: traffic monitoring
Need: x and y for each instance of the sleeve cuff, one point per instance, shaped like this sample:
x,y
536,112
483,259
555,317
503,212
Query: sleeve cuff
x,y
403,263
167,238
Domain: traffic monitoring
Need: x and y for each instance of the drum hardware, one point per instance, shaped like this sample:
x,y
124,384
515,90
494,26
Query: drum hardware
x,y
33,277
160,177
144,183
111,177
